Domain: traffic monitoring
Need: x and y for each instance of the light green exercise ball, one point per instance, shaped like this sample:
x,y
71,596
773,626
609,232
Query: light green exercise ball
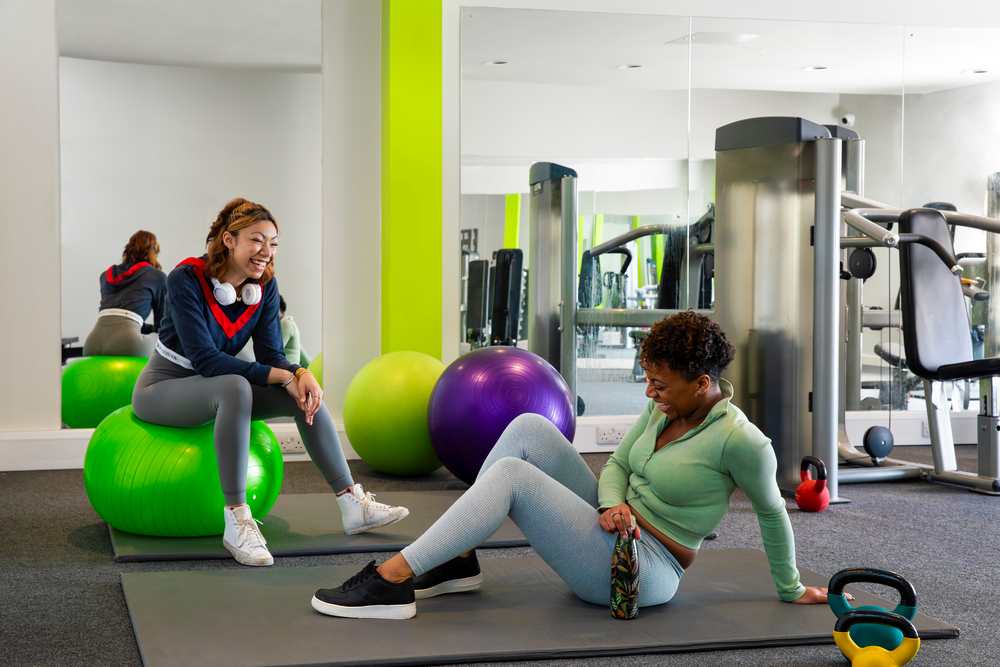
x,y
385,413
94,387
316,368
160,480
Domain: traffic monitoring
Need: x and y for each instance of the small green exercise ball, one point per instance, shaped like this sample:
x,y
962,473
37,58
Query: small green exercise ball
x,y
94,387
160,480
316,368
385,413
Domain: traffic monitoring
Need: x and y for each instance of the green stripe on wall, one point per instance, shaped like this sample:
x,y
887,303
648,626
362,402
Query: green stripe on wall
x,y
411,177
511,221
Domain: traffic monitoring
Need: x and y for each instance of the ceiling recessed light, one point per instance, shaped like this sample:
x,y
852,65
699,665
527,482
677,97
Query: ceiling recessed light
x,y
630,67
495,63
815,68
973,72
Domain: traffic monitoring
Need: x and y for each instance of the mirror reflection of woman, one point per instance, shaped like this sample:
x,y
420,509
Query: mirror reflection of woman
x,y
130,291
215,304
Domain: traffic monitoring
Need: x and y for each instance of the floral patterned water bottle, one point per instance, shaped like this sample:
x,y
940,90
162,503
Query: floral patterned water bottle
x,y
625,576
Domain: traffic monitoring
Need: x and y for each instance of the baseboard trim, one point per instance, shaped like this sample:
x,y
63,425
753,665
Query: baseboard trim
x,y
65,450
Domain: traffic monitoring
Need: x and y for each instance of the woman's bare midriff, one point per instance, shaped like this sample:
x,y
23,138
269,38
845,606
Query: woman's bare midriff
x,y
683,554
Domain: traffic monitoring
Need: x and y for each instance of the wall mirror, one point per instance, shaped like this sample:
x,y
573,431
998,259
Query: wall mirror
x,y
603,94
170,109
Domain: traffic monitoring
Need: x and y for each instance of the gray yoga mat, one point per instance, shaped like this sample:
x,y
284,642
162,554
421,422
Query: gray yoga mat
x,y
309,524
523,611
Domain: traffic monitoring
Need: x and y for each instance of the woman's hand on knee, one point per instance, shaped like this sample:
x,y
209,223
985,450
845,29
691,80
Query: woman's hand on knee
x,y
616,518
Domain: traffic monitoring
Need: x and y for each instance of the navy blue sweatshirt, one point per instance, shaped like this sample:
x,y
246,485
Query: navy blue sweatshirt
x,y
209,335
136,286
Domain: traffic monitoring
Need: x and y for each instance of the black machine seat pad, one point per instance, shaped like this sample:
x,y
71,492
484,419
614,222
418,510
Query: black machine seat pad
x,y
936,328
968,370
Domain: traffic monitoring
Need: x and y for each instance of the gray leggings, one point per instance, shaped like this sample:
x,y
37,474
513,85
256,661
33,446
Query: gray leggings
x,y
535,476
117,336
170,395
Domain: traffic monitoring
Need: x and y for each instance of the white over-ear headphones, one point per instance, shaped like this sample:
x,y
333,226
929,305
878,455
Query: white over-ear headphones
x,y
225,293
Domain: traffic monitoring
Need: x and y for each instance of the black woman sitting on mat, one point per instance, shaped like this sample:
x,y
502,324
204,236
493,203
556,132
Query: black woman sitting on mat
x,y
214,305
129,292
674,472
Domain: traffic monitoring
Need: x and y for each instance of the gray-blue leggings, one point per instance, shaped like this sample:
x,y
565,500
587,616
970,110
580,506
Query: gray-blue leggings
x,y
535,476
170,395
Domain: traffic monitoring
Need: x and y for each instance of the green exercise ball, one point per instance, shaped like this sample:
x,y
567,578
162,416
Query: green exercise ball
x,y
94,387
160,480
316,368
385,413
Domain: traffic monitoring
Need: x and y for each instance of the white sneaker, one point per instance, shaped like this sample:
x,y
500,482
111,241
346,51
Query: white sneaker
x,y
243,538
361,512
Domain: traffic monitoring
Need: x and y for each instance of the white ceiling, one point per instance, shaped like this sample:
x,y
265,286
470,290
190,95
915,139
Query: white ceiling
x,y
244,34
586,49
551,47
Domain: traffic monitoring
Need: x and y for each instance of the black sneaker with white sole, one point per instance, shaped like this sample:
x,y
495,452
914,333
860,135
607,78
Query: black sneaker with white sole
x,y
367,595
456,576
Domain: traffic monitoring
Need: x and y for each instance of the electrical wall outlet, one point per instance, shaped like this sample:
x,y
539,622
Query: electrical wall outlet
x,y
291,444
610,435
925,430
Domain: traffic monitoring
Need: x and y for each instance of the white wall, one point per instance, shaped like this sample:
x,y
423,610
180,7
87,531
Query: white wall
x,y
164,149
542,121
352,193
952,143
29,190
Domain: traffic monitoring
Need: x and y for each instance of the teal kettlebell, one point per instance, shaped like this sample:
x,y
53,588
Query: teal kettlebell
x,y
871,634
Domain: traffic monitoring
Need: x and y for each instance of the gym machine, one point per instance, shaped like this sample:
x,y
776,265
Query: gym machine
x,y
781,184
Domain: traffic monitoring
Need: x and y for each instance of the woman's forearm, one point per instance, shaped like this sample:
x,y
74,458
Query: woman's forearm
x,y
277,375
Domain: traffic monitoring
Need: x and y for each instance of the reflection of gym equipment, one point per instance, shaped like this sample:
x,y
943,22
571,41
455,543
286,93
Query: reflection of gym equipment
x,y
507,297
688,264
493,302
478,303
553,311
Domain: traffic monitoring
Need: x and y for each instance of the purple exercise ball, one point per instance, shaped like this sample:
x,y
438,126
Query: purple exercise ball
x,y
481,393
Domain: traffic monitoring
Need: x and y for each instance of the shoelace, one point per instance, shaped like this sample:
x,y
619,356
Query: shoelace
x,y
247,533
359,577
369,505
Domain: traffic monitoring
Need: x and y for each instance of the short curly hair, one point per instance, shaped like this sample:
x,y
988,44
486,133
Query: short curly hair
x,y
689,344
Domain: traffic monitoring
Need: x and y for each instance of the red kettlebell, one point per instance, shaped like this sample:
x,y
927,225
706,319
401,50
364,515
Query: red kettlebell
x,y
812,494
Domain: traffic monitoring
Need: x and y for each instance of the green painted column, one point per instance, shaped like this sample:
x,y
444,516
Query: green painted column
x,y
511,221
411,177
658,254
644,252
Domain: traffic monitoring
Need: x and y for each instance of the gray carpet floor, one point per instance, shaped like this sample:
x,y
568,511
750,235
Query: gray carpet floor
x,y
61,602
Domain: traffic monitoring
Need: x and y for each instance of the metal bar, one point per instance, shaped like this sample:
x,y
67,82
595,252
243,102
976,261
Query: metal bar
x,y
631,235
879,474
567,333
973,221
826,307
621,317
705,247
858,242
881,319
939,424
861,222
855,170
943,254
851,200
959,478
